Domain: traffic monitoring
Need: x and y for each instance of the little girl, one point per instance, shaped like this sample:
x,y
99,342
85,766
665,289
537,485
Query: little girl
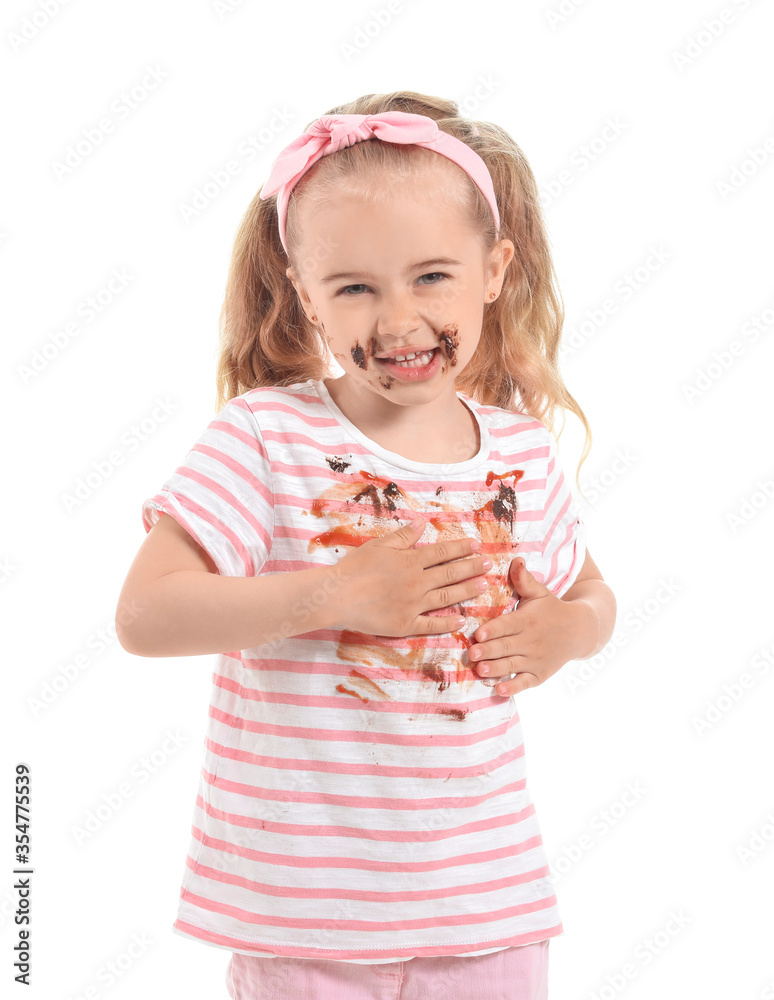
x,y
347,545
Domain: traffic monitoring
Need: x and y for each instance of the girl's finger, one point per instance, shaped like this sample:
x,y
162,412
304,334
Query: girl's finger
x,y
504,649
449,550
521,682
494,681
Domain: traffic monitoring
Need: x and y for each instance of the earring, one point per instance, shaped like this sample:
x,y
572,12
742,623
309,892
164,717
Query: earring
x,y
314,319
492,295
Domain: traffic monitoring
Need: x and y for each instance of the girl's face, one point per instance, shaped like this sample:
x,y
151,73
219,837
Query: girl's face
x,y
399,278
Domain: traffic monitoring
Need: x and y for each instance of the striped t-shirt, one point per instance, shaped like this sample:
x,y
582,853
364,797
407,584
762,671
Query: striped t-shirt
x,y
363,798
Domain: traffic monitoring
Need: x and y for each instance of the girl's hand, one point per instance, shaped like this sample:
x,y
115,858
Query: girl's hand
x,y
533,641
386,585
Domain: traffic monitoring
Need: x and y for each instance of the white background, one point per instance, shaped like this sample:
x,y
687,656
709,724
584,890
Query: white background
x,y
688,91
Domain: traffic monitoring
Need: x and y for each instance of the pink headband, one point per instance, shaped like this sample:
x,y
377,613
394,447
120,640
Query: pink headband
x,y
330,133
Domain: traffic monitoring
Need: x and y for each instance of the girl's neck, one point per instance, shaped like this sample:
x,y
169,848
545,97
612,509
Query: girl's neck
x,y
444,431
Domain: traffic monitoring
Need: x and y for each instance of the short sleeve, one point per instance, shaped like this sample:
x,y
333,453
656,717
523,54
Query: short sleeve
x,y
563,530
222,493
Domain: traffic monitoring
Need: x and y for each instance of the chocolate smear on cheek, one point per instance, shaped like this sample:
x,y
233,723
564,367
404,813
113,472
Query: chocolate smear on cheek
x,y
358,355
450,339
384,381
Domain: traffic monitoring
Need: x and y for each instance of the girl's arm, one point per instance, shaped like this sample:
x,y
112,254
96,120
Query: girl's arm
x,y
174,602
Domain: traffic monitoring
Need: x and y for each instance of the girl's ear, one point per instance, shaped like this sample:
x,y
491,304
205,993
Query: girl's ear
x,y
294,279
500,257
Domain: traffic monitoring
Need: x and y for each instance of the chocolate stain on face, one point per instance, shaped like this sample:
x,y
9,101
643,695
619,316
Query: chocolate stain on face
x,y
359,356
448,342
449,338
366,506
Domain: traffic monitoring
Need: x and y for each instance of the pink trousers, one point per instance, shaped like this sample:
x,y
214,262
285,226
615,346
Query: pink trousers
x,y
519,973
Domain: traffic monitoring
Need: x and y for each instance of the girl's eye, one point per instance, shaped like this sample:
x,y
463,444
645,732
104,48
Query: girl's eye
x,y
435,274
432,274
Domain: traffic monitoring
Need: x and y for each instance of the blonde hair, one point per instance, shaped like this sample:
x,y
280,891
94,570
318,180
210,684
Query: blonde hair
x,y
266,338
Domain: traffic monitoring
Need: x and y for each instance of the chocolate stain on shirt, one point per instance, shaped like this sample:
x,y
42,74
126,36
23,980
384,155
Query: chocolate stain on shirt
x,y
337,464
362,506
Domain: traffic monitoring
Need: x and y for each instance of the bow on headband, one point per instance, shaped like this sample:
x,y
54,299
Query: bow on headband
x,y
330,133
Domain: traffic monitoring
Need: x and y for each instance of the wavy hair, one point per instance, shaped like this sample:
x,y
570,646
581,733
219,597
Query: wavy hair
x,y
266,338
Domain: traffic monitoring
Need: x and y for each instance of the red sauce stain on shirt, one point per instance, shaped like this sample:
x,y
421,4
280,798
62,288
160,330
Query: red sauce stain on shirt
x,y
516,473
359,506
340,687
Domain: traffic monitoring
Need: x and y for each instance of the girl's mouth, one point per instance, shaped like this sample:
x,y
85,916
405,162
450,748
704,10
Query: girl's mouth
x,y
415,360
418,369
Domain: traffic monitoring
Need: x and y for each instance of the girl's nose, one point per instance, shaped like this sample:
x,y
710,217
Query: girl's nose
x,y
398,316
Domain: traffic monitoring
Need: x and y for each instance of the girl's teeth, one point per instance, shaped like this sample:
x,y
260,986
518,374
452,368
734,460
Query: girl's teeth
x,y
418,362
